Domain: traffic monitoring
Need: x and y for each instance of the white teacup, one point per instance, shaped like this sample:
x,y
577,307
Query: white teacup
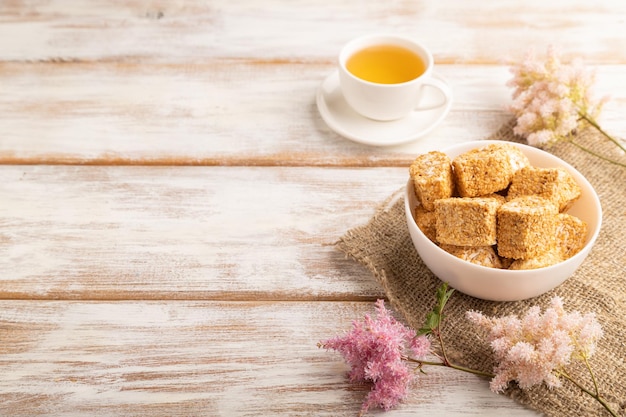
x,y
383,77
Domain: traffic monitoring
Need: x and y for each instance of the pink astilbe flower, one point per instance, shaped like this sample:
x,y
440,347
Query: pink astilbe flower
x,y
375,349
549,98
537,347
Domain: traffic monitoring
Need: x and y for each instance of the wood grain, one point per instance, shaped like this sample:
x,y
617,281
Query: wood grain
x,y
195,115
170,196
205,115
185,233
192,31
198,358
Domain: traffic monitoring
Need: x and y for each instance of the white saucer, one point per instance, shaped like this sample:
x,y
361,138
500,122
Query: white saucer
x,y
340,117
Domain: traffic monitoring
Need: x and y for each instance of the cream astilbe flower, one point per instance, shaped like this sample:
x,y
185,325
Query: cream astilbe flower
x,y
375,349
536,348
550,98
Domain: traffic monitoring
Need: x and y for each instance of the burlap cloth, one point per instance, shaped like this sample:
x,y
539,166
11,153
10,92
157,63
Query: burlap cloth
x,y
384,246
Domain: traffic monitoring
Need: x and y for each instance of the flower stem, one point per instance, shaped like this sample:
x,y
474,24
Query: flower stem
x,y
443,296
597,155
444,357
595,395
593,376
593,123
453,366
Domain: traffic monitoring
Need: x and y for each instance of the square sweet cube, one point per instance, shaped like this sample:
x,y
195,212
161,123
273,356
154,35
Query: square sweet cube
x,y
432,178
479,255
548,258
466,221
482,171
499,198
505,262
526,227
425,220
517,159
571,234
554,184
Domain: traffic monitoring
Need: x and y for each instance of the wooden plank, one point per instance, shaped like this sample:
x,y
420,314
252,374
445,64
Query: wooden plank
x,y
201,358
85,113
302,30
74,232
143,285
136,114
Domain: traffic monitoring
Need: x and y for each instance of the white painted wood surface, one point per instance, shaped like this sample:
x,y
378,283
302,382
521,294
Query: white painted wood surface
x,y
169,195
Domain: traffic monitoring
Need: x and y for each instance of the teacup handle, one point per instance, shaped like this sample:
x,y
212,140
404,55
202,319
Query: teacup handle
x,y
442,87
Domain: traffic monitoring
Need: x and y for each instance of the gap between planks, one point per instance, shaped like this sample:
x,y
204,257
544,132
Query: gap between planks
x,y
233,297
265,161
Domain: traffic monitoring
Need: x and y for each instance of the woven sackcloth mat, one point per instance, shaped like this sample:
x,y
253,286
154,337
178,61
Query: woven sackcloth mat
x,y
384,246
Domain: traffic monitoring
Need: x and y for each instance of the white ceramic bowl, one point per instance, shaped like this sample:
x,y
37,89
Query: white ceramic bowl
x,y
502,284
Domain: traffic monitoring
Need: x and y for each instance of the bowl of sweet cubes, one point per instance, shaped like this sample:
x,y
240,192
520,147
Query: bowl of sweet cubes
x,y
500,220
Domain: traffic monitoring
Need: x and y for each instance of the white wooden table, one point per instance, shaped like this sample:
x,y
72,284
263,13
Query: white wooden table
x,y
169,195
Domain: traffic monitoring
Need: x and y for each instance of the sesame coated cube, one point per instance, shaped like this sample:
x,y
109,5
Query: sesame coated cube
x,y
479,255
526,227
425,220
517,159
571,233
482,171
554,184
432,178
499,198
466,221
548,258
505,262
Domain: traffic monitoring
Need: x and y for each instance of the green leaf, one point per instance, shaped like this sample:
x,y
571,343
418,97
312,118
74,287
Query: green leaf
x,y
435,316
433,319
